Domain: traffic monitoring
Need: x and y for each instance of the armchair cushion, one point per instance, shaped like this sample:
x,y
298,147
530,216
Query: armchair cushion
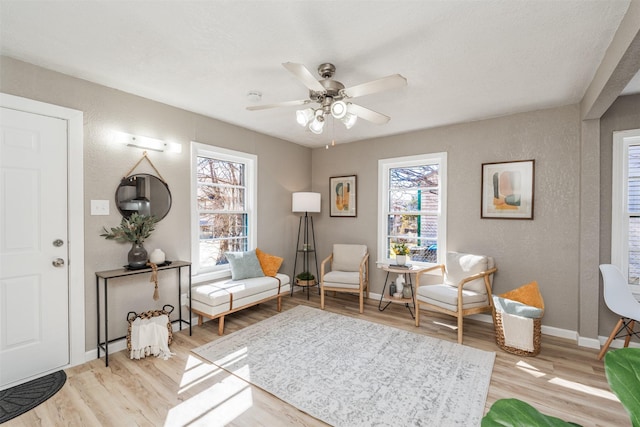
x,y
342,279
348,257
447,296
460,266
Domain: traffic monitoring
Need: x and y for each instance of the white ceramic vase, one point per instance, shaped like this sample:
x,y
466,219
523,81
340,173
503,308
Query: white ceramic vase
x,y
401,259
400,283
157,256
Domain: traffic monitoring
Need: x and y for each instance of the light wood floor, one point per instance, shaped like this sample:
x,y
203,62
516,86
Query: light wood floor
x,y
564,380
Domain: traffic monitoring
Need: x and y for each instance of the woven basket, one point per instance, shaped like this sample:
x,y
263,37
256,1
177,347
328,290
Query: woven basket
x,y
131,316
537,336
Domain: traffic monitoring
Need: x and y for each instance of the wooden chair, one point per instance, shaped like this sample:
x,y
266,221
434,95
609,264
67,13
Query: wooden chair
x,y
465,288
348,272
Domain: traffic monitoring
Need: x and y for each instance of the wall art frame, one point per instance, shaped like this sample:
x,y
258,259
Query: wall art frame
x,y
343,196
508,190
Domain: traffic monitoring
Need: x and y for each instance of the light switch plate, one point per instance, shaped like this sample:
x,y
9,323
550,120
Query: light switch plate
x,y
99,207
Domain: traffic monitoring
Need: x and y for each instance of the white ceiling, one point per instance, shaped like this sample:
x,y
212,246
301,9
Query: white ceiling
x,y
464,60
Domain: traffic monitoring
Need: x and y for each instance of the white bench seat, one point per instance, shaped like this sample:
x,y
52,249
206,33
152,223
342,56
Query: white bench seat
x,y
215,300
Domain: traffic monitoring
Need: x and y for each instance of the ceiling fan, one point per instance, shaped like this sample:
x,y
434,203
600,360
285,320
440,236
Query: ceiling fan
x,y
334,98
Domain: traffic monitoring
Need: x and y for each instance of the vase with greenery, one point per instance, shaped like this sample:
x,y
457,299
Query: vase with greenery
x,y
401,250
135,230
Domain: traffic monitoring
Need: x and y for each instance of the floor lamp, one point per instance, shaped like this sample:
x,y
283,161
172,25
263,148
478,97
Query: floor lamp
x,y
308,203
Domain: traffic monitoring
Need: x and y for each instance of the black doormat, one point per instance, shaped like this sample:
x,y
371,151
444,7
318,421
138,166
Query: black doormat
x,y
17,400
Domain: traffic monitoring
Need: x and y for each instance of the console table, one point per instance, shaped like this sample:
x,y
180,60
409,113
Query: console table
x,y
124,272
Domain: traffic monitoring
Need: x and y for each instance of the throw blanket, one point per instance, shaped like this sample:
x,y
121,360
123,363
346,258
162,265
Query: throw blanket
x,y
150,336
518,331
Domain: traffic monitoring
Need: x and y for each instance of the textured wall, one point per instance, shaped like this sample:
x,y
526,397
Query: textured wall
x,y
105,164
545,249
624,114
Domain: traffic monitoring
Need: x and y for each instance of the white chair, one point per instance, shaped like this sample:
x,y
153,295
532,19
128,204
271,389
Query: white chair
x,y
465,288
620,300
349,265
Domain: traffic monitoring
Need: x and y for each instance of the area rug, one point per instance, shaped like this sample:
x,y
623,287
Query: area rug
x,y
351,372
17,400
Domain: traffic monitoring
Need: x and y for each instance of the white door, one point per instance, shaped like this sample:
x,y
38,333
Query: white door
x,y
34,279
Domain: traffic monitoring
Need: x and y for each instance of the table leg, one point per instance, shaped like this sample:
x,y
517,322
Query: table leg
x,y
190,300
98,313
408,281
384,288
106,325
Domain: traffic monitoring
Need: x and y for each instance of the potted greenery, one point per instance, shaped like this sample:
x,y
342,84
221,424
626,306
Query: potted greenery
x,y
135,229
401,250
305,279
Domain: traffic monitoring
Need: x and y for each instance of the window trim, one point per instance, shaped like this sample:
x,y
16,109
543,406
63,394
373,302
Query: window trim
x,y
619,196
383,207
251,179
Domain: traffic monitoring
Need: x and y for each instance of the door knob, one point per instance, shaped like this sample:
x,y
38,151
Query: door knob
x,y
58,262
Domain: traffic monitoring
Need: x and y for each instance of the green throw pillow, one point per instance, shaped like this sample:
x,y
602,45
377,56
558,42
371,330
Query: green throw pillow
x,y
244,265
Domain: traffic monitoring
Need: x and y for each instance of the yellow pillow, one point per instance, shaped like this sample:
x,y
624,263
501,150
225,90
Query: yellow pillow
x,y
528,294
270,263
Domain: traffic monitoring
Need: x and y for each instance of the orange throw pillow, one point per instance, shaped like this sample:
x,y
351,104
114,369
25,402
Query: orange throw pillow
x,y
270,263
528,294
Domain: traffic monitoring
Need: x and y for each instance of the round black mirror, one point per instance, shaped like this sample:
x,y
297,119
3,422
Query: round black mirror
x,y
144,194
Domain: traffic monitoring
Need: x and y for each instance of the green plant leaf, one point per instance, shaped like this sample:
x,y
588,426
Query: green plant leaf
x,y
134,229
516,413
622,368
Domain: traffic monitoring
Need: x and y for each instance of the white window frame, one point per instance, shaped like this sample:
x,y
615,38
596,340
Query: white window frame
x,y
622,140
251,197
384,165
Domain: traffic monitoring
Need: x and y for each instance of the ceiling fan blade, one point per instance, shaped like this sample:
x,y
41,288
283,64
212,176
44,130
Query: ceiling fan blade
x,y
305,76
367,114
279,104
386,83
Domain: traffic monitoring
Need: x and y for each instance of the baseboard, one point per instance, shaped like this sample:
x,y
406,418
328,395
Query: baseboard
x,y
486,318
551,331
589,342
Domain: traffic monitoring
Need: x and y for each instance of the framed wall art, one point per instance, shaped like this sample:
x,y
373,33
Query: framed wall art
x,y
342,195
507,190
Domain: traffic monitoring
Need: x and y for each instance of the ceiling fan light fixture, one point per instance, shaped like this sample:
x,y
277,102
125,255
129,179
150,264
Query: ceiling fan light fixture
x,y
349,120
338,109
303,117
316,126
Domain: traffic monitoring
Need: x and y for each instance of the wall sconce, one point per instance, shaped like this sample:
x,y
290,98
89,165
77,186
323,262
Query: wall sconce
x,y
146,143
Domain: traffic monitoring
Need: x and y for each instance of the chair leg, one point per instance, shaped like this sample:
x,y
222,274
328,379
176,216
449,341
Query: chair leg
x,y
322,299
361,302
629,332
611,337
279,304
460,318
417,310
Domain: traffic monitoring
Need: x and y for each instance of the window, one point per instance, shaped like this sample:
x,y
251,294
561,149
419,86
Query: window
x,y
224,188
625,212
413,207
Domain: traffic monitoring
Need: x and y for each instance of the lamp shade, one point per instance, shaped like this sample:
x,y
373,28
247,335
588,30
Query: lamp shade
x,y
306,202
